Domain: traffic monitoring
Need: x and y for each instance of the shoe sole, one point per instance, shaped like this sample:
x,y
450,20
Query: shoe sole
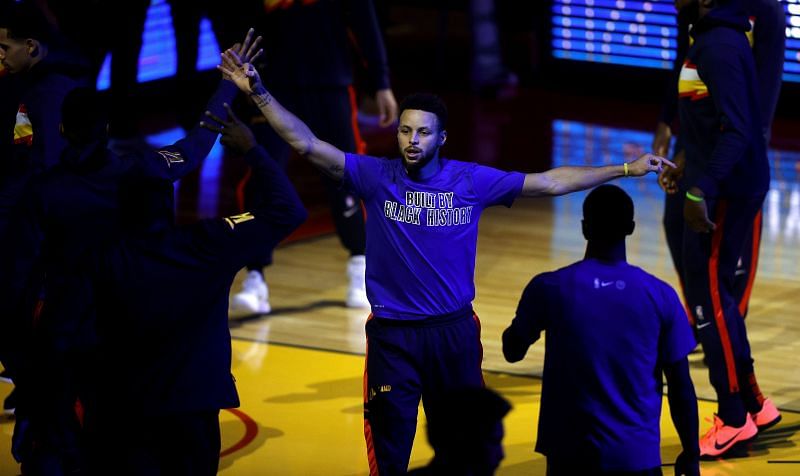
x,y
739,448
770,424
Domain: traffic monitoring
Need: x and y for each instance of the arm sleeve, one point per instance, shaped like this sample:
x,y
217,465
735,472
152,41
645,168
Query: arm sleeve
x,y
45,117
769,49
362,173
725,74
669,110
683,405
368,41
677,338
529,322
185,156
496,187
247,237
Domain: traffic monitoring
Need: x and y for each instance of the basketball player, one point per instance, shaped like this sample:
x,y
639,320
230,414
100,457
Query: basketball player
x,y
611,330
725,181
423,337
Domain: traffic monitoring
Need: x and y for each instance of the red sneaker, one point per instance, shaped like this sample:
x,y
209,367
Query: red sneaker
x,y
721,437
767,417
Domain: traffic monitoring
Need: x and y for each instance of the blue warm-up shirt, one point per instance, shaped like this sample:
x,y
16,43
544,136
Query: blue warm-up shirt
x,y
610,330
422,235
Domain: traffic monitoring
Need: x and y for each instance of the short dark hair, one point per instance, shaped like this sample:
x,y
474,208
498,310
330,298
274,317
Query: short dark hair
x,y
84,116
23,20
426,102
607,214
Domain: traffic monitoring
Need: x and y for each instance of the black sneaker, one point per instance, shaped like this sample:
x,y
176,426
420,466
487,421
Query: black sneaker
x,y
10,403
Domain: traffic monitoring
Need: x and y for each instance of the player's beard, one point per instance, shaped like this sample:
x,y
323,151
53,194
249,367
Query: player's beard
x,y
413,167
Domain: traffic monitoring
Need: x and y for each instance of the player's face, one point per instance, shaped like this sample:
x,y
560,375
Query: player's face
x,y
14,53
419,139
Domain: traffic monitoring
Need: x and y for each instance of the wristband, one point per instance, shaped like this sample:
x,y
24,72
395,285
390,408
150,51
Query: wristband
x,y
625,167
694,198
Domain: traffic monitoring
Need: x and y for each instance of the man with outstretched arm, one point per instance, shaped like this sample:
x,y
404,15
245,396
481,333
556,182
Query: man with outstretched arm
x,y
423,337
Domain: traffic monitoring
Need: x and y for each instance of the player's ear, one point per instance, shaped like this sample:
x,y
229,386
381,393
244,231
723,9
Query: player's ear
x,y
442,138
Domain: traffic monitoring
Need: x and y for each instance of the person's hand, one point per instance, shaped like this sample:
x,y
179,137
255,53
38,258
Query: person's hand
x,y
235,134
387,107
687,466
669,177
695,213
244,75
661,138
648,163
22,440
247,51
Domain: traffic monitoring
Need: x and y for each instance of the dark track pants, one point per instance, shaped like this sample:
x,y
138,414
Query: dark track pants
x,y
710,264
407,361
746,266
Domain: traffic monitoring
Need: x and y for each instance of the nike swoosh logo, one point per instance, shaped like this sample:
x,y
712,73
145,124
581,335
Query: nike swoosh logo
x,y
705,324
604,284
723,445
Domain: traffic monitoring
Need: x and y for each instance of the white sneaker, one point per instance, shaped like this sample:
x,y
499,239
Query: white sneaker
x,y
253,298
357,291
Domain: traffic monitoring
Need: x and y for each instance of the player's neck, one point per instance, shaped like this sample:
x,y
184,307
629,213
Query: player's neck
x,y
427,171
604,251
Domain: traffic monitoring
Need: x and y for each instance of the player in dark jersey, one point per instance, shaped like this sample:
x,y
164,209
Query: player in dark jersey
x,y
725,180
162,326
768,41
600,407
423,337
38,72
83,202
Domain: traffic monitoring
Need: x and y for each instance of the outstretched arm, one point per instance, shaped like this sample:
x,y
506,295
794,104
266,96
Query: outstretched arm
x,y
563,180
295,132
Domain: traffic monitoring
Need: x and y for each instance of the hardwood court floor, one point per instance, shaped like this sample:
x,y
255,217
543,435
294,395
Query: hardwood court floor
x,y
301,415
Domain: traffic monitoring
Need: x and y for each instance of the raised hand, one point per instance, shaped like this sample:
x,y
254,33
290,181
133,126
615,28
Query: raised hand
x,y
246,52
387,107
648,163
235,134
243,74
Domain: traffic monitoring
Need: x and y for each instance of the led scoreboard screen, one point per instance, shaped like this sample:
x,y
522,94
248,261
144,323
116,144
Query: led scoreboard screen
x,y
639,33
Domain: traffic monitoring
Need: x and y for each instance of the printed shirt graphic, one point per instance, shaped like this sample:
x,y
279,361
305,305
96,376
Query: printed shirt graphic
x,y
23,130
422,236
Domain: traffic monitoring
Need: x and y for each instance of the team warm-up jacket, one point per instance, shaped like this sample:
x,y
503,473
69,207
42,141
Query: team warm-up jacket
x,y
162,317
319,28
76,207
768,43
720,112
31,113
